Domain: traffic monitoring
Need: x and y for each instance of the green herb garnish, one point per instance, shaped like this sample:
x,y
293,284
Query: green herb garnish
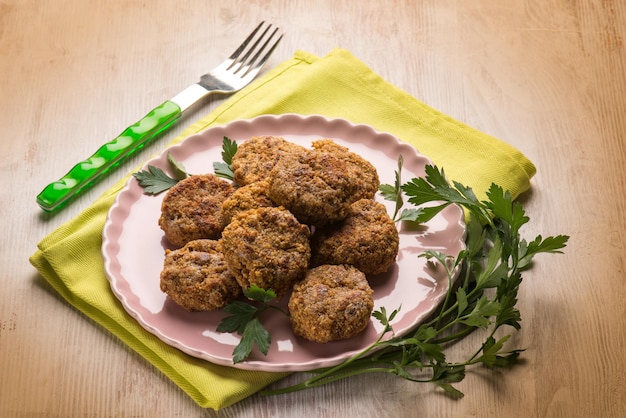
x,y
244,320
483,299
394,193
154,180
177,167
224,169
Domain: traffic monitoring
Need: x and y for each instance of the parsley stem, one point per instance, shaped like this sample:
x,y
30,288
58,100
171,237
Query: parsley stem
x,y
277,308
323,380
450,273
452,337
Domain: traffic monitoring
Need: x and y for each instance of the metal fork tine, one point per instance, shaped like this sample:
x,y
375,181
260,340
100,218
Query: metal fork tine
x,y
250,64
245,63
245,43
256,68
242,61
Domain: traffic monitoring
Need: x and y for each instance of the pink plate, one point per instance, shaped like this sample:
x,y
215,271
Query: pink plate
x,y
133,250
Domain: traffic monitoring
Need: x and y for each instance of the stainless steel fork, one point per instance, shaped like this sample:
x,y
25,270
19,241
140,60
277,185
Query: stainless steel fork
x,y
236,71
233,74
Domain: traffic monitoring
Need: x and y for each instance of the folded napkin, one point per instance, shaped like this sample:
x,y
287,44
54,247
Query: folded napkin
x,y
337,85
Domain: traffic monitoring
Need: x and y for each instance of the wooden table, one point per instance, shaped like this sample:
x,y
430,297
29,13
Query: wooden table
x,y
547,77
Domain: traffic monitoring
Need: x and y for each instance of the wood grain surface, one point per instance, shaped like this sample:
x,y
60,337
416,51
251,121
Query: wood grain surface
x,y
547,76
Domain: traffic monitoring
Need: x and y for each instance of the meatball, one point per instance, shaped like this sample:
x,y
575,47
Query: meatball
x,y
197,278
359,169
191,209
267,247
251,196
333,302
367,239
255,158
314,186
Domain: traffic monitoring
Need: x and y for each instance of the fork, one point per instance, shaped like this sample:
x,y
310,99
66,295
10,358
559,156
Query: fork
x,y
234,73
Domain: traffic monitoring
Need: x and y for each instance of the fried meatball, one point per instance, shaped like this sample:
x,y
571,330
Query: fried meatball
x,y
313,186
359,169
367,239
267,247
191,209
251,196
333,302
256,156
197,278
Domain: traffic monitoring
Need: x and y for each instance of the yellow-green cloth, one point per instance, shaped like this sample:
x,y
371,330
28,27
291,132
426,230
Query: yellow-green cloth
x,y
337,85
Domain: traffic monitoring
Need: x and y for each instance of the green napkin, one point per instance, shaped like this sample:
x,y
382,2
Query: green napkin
x,y
337,85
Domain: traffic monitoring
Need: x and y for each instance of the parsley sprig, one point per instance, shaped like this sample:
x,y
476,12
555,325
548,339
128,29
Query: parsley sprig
x,y
224,168
483,298
244,319
154,180
394,194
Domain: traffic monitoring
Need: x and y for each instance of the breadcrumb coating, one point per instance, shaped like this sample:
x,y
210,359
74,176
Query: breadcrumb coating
x,y
250,196
358,168
197,278
333,302
367,239
256,157
191,209
313,186
258,232
267,247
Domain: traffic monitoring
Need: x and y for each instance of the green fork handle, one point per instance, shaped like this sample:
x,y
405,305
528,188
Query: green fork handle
x,y
84,174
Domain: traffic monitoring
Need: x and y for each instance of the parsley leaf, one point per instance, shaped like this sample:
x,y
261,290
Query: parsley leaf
x,y
445,374
257,293
434,187
394,192
154,180
229,148
410,215
493,354
177,167
240,314
539,245
224,169
382,317
253,333
244,320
